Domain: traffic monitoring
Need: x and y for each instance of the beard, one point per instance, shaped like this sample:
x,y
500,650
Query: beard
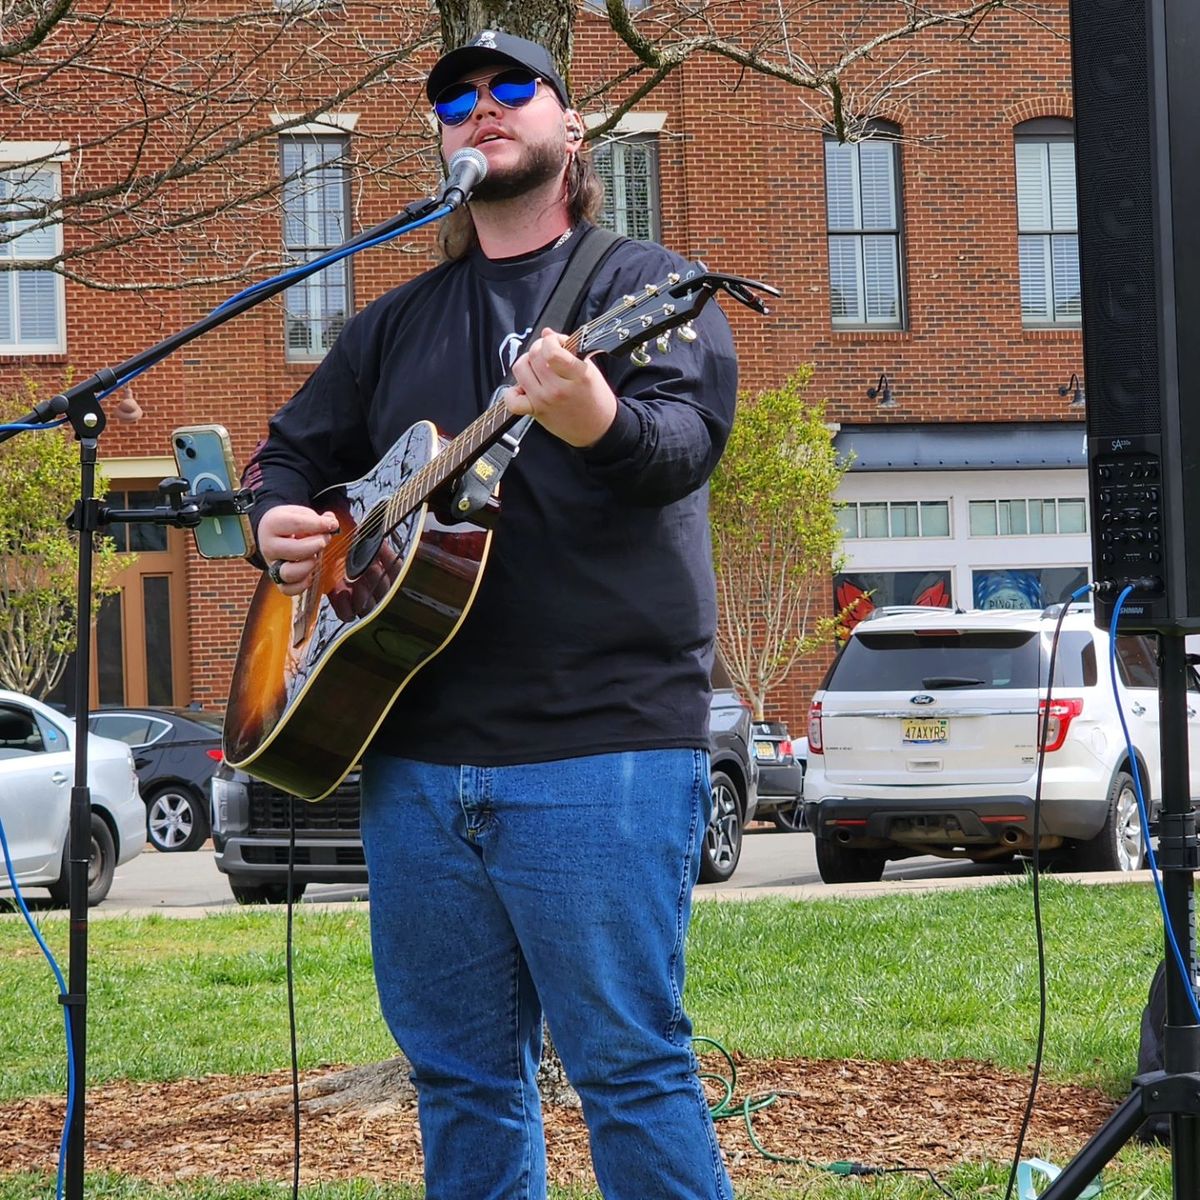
x,y
540,164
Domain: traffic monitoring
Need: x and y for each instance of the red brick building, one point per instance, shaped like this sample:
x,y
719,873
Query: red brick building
x,y
930,274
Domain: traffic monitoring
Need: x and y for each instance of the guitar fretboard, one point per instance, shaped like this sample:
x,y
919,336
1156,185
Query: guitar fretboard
x,y
487,428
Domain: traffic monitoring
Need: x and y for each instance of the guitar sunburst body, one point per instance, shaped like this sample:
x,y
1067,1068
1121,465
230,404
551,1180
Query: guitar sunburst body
x,y
317,673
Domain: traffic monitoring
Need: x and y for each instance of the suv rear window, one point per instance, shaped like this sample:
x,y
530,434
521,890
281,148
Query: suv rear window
x,y
885,662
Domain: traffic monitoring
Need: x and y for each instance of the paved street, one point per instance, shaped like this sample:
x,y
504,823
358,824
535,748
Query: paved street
x,y
772,863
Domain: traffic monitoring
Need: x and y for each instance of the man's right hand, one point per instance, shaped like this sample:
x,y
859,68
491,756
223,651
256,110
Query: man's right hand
x,y
292,536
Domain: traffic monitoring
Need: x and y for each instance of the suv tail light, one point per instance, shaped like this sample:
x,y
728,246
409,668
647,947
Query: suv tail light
x,y
815,744
1053,724
216,754
785,748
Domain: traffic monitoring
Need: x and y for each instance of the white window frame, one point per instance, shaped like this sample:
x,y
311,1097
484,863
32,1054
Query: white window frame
x,y
845,506
621,150
314,288
1053,501
856,237
962,554
1047,225
41,158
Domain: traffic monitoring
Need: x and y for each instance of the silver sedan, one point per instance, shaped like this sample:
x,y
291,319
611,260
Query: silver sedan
x,y
37,766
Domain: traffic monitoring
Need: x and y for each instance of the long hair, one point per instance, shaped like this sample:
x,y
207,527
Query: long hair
x,y
584,197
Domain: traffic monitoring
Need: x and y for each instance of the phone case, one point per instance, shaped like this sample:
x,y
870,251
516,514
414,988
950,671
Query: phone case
x,y
205,459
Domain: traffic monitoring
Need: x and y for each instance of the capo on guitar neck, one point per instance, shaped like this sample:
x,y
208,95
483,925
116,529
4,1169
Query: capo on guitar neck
x,y
739,289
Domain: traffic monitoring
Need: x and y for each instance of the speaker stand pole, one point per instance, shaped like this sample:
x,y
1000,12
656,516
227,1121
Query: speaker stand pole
x,y
1175,1089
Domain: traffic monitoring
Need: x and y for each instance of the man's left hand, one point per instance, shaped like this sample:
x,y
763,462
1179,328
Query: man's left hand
x,y
562,392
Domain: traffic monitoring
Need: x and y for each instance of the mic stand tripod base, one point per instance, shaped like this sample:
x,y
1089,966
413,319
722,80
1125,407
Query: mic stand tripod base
x,y
1153,1094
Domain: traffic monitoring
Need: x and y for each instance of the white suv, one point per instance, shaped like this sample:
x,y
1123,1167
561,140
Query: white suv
x,y
923,740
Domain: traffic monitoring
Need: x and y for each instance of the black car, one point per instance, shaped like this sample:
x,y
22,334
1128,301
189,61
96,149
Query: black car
x,y
175,751
250,820
780,775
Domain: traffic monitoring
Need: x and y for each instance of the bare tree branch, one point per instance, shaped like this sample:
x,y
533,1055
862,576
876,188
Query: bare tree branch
x,y
666,36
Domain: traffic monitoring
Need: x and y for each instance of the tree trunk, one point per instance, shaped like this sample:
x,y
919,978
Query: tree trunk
x,y
548,22
380,1087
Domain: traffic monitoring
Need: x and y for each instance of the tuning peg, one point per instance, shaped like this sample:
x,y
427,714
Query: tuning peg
x,y
663,342
640,356
687,333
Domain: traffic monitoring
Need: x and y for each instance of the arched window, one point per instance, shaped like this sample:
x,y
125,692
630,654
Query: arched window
x,y
1047,225
862,207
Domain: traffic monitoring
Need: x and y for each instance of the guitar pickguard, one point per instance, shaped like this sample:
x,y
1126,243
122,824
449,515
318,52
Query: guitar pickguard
x,y
345,601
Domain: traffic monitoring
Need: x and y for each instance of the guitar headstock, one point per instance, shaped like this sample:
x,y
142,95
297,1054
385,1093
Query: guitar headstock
x,y
662,307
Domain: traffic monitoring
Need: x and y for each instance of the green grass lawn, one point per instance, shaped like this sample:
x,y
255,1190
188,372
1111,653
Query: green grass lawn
x,y
935,975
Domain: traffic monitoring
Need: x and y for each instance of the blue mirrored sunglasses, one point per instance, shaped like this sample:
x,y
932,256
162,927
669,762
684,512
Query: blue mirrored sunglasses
x,y
513,89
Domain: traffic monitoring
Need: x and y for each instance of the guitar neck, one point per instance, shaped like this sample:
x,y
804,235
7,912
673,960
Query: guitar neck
x,y
484,431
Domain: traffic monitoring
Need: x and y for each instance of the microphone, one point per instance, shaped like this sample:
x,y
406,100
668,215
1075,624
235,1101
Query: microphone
x,y
467,167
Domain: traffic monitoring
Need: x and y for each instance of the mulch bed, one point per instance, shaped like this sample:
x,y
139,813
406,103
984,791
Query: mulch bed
x,y
915,1113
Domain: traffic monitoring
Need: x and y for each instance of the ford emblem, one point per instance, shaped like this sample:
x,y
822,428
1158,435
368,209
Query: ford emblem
x,y
922,698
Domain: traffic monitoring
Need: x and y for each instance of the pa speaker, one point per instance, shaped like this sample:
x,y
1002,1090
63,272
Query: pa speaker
x,y
1137,148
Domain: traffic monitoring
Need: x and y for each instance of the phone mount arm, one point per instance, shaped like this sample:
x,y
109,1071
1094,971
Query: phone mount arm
x,y
183,510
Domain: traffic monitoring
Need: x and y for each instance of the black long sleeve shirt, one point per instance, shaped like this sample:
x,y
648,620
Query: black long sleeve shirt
x,y
592,630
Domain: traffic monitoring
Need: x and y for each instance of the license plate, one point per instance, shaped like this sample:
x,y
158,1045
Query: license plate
x,y
764,749
929,729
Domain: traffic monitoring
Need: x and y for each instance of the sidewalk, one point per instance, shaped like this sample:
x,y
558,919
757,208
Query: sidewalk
x,y
893,887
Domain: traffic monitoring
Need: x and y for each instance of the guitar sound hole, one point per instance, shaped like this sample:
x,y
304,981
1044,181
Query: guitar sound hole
x,y
363,552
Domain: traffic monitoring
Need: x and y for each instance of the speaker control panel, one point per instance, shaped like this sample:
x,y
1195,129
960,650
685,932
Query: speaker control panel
x,y
1129,511
1129,535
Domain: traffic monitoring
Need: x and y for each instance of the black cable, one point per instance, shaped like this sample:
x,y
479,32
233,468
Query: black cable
x,y
291,999
1043,723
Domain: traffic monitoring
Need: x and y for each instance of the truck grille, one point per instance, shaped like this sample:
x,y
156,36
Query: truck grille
x,y
306,856
337,813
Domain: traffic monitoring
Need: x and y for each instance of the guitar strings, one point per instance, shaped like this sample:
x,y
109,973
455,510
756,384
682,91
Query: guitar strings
x,y
485,427
469,442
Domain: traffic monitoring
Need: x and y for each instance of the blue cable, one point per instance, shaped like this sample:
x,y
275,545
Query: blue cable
x,y
62,987
17,427
1151,857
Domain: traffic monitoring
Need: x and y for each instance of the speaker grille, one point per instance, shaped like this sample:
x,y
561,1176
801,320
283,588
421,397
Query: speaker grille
x,y
1117,202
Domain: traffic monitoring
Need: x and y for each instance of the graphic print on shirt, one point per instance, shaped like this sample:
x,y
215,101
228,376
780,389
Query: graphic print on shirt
x,y
510,348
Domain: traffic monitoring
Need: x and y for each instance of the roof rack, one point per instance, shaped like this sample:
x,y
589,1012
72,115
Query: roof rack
x,y
1052,610
893,610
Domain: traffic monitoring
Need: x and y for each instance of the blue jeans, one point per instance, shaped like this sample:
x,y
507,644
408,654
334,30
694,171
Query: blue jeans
x,y
497,892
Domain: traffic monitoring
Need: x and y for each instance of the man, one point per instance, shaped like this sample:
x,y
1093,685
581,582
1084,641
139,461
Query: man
x,y
533,805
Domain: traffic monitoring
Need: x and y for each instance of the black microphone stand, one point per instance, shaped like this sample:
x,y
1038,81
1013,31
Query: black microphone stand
x,y
80,405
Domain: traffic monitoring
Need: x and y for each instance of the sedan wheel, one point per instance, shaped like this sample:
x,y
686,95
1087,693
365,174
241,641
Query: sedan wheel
x,y
102,862
722,845
175,820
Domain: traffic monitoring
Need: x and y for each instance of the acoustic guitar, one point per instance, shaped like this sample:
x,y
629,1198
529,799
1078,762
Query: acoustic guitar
x,y
316,673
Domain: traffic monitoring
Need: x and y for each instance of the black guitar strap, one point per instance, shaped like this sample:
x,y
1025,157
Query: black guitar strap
x,y
480,480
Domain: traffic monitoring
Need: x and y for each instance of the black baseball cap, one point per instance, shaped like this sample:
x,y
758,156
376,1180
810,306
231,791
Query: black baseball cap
x,y
504,49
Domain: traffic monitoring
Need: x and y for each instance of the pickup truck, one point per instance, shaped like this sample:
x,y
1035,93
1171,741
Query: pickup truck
x,y
250,820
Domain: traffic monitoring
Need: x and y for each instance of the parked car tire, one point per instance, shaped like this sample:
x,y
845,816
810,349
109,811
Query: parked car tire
x,y
722,846
102,862
791,818
842,864
271,892
1121,844
176,819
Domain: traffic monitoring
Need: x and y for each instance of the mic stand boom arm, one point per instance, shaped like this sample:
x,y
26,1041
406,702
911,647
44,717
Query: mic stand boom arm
x,y
80,403
81,407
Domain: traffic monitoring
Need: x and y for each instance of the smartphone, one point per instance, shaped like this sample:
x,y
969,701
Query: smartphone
x,y
205,459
